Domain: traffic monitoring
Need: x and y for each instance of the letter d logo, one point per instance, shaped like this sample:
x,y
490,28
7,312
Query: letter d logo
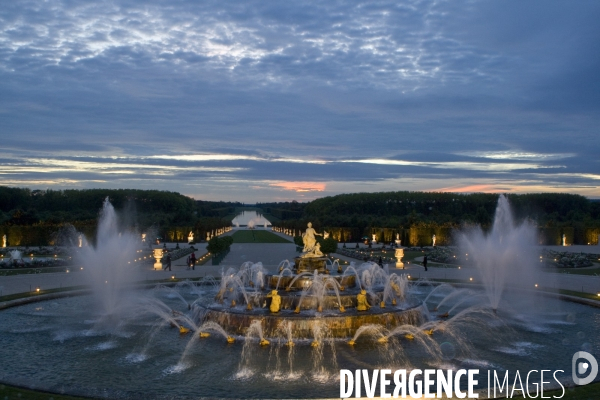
x,y
582,367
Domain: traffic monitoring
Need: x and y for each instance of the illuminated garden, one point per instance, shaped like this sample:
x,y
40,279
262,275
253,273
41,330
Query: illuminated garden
x,y
285,329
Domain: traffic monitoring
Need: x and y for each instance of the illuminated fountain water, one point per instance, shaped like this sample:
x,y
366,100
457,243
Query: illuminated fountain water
x,y
223,337
505,256
308,298
108,272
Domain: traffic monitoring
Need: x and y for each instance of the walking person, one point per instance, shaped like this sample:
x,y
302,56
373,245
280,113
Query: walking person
x,y
425,262
168,265
380,262
193,260
188,262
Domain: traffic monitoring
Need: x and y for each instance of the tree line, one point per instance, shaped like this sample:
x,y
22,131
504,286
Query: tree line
x,y
416,216
30,217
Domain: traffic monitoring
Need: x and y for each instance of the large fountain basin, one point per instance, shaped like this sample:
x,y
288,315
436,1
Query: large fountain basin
x,y
340,325
305,282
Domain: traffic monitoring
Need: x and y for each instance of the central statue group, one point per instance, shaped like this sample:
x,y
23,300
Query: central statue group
x,y
311,247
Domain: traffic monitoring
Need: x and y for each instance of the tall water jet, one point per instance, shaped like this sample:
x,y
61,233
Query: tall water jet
x,y
106,264
504,256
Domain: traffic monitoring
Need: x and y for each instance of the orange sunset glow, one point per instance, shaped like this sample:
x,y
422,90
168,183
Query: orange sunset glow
x,y
301,186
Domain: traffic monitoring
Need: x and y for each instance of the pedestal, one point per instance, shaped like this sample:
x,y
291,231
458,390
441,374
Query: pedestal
x,y
399,254
309,264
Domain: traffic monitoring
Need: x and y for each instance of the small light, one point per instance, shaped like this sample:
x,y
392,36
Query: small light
x,y
408,276
105,281
536,285
81,268
37,289
459,267
540,256
172,276
470,279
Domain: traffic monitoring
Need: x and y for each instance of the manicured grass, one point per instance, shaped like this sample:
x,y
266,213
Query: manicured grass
x,y
578,271
257,236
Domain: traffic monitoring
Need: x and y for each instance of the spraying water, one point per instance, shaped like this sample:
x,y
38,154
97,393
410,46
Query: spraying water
x,y
106,264
505,256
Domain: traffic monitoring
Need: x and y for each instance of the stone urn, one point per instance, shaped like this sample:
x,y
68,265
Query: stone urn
x,y
158,255
399,254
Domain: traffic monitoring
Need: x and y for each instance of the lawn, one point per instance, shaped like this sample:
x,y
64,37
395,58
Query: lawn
x,y
257,236
595,270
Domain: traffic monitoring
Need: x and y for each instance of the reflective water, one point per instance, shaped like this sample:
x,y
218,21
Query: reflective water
x,y
61,346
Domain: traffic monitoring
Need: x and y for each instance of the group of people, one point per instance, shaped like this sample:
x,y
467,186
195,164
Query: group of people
x,y
191,262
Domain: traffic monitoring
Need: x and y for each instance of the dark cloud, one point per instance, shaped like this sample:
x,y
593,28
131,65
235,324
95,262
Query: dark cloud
x,y
419,82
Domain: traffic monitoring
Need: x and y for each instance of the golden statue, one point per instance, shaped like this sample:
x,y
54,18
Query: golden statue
x,y
275,301
361,298
310,243
183,330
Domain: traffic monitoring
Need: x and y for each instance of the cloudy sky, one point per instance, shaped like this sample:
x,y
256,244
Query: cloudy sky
x,y
275,100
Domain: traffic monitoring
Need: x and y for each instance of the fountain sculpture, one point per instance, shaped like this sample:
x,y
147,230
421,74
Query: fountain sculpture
x,y
313,291
256,333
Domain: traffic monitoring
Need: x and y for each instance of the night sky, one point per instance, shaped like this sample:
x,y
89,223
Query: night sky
x,y
275,100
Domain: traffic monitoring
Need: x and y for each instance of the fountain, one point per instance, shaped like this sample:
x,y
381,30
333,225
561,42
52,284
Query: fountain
x,y
16,258
302,298
278,334
505,256
106,263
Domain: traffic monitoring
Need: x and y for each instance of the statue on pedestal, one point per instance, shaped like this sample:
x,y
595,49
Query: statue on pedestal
x,y
311,247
